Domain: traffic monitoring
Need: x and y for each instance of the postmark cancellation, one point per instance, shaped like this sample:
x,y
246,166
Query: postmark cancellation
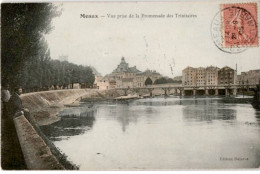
x,y
239,25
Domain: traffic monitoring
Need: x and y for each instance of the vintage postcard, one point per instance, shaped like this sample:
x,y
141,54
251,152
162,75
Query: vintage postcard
x,y
127,85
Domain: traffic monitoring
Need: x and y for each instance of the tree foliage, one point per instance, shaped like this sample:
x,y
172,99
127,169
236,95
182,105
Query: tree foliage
x,y
47,73
164,80
25,55
148,81
170,80
161,80
23,27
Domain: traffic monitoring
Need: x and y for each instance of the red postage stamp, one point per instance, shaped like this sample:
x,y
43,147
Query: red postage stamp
x,y
239,25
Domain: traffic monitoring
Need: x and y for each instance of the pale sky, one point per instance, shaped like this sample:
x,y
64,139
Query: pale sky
x,y
166,45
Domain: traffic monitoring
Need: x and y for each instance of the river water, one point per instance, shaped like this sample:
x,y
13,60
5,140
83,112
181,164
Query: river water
x,y
160,134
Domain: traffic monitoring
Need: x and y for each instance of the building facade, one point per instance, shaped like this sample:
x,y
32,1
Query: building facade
x,y
251,77
129,77
227,76
189,76
123,76
101,82
211,75
200,76
141,77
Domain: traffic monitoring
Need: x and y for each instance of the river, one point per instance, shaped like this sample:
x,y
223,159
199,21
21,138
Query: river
x,y
159,134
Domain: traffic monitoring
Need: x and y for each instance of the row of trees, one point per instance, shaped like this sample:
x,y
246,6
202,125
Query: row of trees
x,y
25,55
44,73
161,80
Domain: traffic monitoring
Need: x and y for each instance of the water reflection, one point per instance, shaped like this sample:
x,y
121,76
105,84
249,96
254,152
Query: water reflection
x,y
162,133
74,121
122,113
206,110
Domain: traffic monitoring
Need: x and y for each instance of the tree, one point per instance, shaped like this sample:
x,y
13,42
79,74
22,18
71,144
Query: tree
x,y
23,28
26,59
169,80
161,80
148,81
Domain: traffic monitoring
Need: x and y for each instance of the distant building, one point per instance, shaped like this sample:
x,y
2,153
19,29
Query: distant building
x,y
189,76
141,77
200,76
112,84
211,75
128,77
140,80
226,76
101,82
127,83
251,77
122,67
123,75
239,81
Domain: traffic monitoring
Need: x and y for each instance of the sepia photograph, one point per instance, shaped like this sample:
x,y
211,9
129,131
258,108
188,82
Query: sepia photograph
x,y
130,85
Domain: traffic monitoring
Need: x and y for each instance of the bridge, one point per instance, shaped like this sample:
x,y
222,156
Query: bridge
x,y
184,90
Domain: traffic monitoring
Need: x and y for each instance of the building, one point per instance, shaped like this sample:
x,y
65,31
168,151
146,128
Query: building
x,y
123,76
129,77
127,82
141,77
140,80
101,82
251,77
112,84
122,67
227,76
211,76
200,76
189,76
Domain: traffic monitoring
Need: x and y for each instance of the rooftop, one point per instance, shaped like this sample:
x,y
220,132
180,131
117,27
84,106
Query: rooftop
x,y
148,72
123,67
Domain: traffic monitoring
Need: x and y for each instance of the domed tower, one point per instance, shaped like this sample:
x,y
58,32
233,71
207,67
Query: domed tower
x,y
123,66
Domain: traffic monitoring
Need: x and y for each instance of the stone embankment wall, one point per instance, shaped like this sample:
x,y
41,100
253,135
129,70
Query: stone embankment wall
x,y
38,100
44,106
37,154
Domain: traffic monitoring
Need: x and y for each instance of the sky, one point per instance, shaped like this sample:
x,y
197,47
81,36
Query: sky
x,y
167,45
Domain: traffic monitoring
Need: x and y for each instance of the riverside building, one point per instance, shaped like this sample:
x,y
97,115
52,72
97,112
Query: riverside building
x,y
209,76
251,77
126,77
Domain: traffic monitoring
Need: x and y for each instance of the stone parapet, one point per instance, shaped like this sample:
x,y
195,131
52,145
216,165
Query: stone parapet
x,y
36,153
